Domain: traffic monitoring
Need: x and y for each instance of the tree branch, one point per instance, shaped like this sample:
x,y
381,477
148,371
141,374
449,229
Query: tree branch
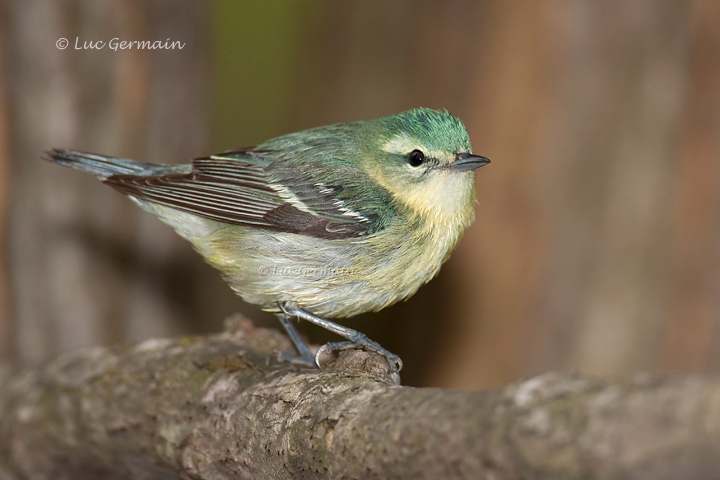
x,y
211,407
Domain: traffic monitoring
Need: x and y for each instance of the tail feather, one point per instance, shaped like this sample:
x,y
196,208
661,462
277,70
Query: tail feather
x,y
100,165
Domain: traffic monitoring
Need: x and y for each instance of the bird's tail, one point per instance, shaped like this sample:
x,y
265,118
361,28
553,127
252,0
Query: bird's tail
x,y
100,165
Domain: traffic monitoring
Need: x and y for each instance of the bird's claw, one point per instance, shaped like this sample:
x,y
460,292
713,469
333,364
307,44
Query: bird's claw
x,y
395,361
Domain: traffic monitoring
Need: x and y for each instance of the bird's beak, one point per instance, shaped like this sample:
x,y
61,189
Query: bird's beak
x,y
465,162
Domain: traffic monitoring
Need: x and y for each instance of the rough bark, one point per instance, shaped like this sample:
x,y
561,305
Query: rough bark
x,y
214,407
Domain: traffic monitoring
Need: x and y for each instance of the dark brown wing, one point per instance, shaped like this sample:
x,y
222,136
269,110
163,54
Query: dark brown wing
x,y
235,188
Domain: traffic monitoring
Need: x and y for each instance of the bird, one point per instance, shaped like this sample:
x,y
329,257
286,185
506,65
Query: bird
x,y
320,224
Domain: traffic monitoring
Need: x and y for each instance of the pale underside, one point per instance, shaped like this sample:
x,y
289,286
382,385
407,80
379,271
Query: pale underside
x,y
331,278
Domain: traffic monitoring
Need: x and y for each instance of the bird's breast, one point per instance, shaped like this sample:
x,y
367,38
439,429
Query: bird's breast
x,y
332,278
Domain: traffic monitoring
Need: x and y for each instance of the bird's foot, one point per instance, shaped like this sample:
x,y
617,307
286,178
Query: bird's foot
x,y
354,338
395,361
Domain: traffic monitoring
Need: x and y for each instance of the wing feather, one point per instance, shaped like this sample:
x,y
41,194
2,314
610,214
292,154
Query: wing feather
x,y
236,188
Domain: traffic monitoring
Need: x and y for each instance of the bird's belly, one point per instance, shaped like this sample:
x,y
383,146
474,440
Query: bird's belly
x,y
330,278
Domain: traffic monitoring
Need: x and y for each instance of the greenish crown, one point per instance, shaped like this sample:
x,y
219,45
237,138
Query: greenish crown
x,y
436,129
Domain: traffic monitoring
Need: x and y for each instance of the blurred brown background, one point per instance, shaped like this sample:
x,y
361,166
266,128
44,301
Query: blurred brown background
x,y
597,241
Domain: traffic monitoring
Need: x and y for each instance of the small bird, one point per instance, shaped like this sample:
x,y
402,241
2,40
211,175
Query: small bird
x,y
328,222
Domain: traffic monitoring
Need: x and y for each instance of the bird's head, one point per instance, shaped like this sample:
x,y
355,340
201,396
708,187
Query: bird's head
x,y
423,158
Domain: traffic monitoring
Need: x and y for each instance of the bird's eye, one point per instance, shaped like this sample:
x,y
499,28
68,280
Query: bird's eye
x,y
416,158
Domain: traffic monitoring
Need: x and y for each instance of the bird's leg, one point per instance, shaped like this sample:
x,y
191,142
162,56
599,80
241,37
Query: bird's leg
x,y
306,356
355,338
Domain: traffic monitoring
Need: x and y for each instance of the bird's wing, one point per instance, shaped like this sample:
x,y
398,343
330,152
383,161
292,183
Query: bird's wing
x,y
239,188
